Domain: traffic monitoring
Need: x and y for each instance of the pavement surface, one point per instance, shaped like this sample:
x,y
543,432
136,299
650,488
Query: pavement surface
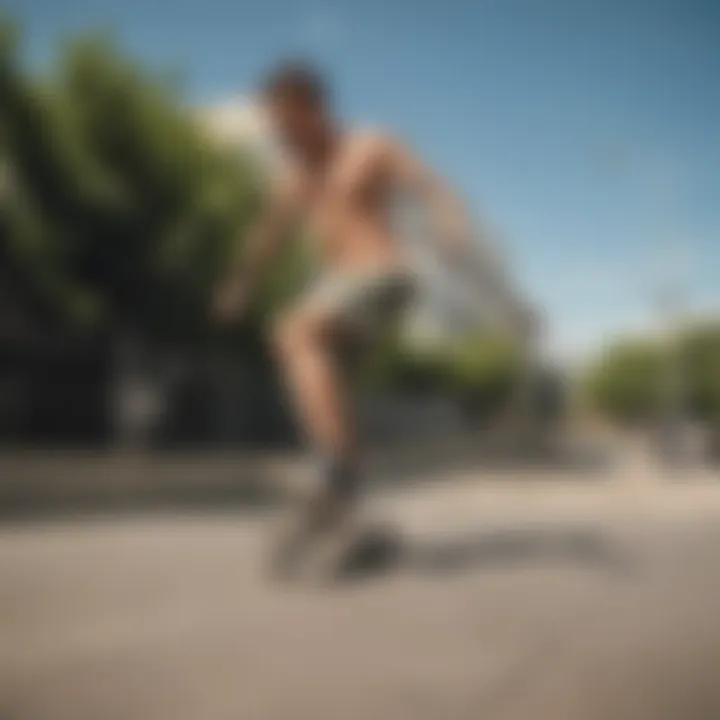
x,y
511,600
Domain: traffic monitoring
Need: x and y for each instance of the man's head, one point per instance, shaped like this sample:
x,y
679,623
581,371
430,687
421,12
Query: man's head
x,y
296,97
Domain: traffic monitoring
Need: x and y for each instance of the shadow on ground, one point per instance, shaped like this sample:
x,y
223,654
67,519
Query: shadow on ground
x,y
384,550
402,465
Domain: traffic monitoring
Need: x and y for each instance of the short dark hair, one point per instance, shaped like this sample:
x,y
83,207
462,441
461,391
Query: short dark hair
x,y
296,79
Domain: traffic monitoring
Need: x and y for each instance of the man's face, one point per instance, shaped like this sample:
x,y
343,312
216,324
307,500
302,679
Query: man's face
x,y
295,121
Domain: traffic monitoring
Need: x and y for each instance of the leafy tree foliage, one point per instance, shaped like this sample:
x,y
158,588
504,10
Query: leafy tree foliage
x,y
701,359
480,372
628,383
122,210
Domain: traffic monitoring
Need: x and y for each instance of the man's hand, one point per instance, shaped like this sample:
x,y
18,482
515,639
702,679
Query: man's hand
x,y
262,242
230,302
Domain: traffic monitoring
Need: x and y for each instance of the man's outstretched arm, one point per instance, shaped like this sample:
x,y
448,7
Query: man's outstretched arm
x,y
252,257
448,213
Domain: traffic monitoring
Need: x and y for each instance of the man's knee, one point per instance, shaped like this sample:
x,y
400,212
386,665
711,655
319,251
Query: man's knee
x,y
294,332
283,336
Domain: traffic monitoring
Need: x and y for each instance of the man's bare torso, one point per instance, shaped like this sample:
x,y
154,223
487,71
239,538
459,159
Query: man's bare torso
x,y
345,204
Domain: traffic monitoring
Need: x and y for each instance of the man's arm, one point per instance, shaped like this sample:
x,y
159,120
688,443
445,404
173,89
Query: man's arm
x,y
448,213
258,251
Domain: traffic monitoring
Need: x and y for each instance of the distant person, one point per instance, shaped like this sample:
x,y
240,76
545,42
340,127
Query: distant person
x,y
339,183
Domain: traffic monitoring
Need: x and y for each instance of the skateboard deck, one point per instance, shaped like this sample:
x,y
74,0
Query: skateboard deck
x,y
352,549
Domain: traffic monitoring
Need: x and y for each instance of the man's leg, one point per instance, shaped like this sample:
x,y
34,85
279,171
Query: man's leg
x,y
307,344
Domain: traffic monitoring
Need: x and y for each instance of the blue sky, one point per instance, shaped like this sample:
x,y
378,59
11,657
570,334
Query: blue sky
x,y
586,132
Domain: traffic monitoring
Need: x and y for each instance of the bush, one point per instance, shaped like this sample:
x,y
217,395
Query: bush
x,y
484,372
479,372
701,360
625,384
629,382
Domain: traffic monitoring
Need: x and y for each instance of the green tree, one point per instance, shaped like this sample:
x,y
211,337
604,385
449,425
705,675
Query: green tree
x,y
701,363
479,372
123,210
626,382
629,381
484,372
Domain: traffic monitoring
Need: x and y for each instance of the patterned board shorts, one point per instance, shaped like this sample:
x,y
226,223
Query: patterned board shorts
x,y
363,302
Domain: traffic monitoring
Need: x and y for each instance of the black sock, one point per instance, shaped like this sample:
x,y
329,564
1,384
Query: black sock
x,y
341,476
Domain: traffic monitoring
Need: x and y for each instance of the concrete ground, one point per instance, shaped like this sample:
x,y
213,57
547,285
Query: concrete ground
x,y
513,600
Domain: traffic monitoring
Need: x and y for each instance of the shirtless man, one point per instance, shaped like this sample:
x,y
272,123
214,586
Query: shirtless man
x,y
339,183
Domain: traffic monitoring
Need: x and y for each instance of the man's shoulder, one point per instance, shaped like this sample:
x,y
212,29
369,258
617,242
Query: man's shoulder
x,y
370,147
370,139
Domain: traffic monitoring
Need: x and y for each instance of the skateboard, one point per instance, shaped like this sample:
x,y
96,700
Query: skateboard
x,y
344,547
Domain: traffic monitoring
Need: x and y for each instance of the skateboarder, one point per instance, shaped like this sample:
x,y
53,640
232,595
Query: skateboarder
x,y
339,183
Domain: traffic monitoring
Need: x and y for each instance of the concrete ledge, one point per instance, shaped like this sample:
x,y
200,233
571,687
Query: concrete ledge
x,y
36,481
33,480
